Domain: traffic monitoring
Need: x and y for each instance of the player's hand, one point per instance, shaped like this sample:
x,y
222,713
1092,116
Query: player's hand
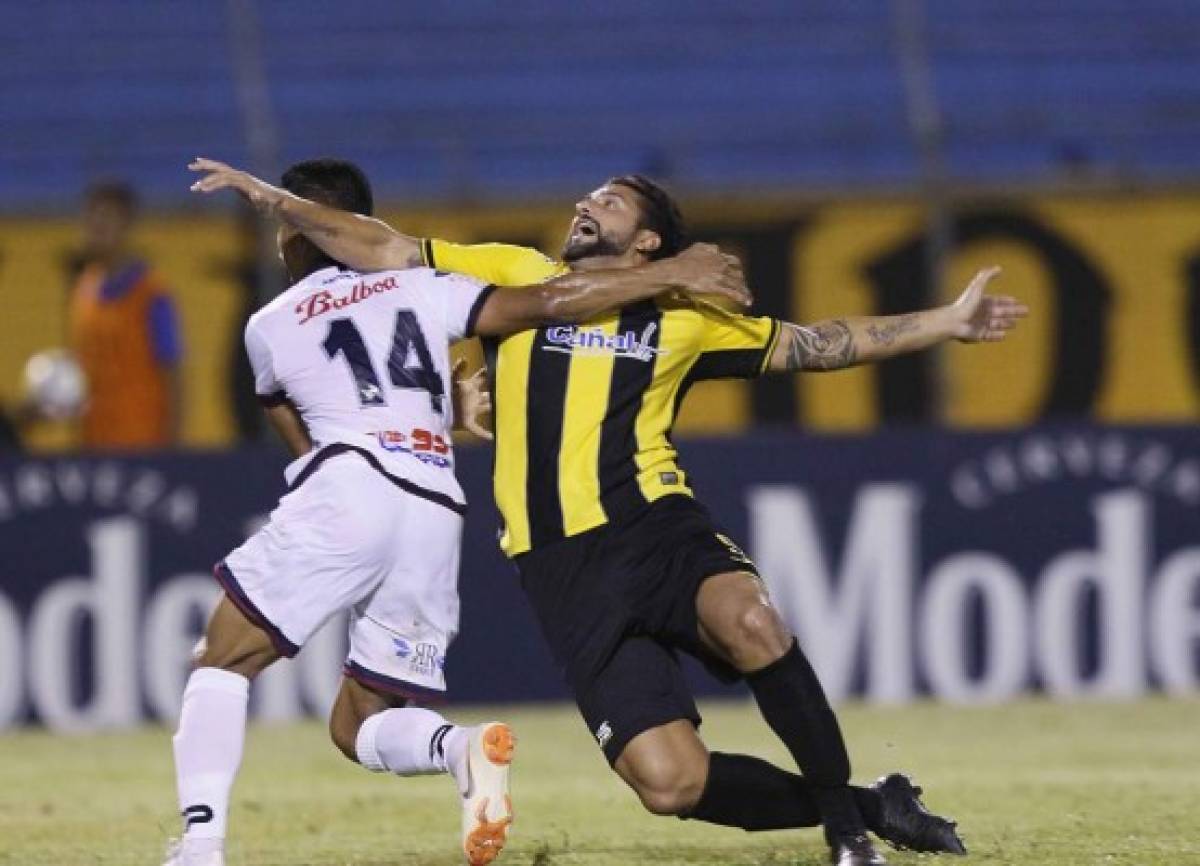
x,y
217,176
980,318
702,269
472,401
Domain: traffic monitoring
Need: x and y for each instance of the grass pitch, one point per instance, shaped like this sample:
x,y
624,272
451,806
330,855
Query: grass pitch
x,y
1031,783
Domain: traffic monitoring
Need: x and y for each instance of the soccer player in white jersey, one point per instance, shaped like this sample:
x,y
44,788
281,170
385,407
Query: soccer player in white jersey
x,y
353,370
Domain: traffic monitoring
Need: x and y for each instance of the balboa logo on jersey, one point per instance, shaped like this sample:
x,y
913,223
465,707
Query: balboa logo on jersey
x,y
426,446
594,341
324,301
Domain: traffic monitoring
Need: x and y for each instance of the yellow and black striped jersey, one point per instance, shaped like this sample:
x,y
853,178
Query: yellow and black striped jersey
x,y
583,413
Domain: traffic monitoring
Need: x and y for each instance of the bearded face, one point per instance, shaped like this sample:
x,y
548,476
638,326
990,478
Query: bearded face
x,y
605,224
588,239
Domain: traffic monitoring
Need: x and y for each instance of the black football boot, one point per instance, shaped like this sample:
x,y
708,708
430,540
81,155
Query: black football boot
x,y
907,825
854,849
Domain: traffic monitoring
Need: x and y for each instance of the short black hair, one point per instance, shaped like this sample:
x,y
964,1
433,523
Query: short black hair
x,y
333,182
116,192
660,214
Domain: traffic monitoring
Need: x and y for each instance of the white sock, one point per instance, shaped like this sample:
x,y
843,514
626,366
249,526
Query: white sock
x,y
208,750
409,742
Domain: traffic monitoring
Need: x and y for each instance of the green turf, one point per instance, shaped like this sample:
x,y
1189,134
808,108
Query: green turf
x,y
1032,783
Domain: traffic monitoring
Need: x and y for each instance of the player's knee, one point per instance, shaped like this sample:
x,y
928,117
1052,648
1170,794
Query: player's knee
x,y
198,651
670,788
677,799
232,643
344,733
249,661
760,630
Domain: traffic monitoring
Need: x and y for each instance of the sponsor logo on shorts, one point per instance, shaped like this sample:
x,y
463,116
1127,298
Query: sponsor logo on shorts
x,y
594,341
604,734
422,657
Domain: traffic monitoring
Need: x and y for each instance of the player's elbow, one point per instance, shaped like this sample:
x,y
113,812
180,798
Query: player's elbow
x,y
376,246
554,305
398,251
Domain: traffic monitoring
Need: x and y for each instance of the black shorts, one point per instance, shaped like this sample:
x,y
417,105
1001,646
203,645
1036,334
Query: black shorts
x,y
617,602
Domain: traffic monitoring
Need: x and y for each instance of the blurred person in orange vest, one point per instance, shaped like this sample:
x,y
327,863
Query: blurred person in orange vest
x,y
124,331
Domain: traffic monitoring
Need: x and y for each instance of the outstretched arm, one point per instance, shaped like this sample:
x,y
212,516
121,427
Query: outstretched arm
x,y
372,245
837,343
363,243
578,296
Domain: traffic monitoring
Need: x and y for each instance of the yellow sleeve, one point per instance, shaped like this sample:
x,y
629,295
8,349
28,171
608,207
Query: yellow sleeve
x,y
498,264
734,346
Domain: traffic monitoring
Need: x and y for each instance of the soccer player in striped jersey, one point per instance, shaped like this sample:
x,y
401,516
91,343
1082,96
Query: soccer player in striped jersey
x,y
621,564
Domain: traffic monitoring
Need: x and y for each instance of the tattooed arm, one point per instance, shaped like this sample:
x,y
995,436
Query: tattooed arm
x,y
837,343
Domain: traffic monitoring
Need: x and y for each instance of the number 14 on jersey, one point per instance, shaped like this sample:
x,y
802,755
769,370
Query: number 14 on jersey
x,y
409,363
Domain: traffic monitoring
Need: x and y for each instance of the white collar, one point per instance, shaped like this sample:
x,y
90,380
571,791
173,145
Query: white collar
x,y
326,275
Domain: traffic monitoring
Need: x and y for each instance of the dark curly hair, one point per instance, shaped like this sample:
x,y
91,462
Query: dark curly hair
x,y
659,213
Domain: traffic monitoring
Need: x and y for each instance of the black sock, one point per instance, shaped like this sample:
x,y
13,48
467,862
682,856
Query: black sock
x,y
793,703
747,792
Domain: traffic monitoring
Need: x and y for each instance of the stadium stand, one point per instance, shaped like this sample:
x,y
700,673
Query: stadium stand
x,y
477,99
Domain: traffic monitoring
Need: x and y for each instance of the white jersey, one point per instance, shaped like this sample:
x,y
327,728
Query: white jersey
x,y
365,358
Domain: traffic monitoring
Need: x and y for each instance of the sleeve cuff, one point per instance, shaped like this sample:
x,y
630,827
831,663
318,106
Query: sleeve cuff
x,y
477,308
772,342
271,400
427,253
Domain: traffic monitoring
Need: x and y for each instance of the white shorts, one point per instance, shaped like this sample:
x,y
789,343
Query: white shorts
x,y
350,538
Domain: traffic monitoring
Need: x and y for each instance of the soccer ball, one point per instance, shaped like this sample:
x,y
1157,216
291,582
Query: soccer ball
x,y
55,384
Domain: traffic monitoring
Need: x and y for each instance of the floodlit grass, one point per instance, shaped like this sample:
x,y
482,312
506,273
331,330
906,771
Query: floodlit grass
x,y
1031,783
